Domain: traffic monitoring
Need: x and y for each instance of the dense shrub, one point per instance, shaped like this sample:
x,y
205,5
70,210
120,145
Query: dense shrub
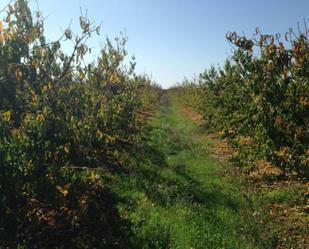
x,y
260,99
59,114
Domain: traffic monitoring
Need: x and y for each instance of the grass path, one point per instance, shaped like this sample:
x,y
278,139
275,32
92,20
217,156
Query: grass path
x,y
176,197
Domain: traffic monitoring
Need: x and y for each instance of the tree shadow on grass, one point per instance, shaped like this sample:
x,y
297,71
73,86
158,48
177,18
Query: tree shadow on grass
x,y
167,184
164,190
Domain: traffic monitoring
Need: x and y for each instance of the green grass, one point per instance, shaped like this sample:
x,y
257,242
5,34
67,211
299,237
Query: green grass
x,y
288,195
176,197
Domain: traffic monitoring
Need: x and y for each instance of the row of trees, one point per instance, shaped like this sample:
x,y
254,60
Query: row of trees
x,y
260,99
60,117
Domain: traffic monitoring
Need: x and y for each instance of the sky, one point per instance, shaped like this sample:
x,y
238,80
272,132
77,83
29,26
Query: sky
x,y
173,39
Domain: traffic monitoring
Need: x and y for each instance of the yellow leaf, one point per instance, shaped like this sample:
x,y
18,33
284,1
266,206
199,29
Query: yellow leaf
x,y
304,101
81,75
114,78
15,132
99,134
7,34
45,89
27,118
278,121
66,149
63,190
34,96
93,176
282,152
111,139
1,26
18,74
40,118
7,116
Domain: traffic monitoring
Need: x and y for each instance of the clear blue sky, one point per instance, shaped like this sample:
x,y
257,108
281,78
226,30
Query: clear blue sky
x,y
175,38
